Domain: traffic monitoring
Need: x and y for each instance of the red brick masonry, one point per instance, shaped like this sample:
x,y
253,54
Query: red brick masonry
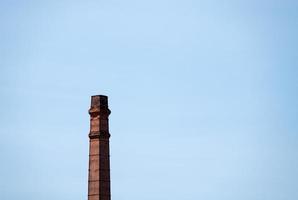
x,y
99,156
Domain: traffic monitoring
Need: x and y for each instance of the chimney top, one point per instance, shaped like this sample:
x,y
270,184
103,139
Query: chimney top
x,y
99,100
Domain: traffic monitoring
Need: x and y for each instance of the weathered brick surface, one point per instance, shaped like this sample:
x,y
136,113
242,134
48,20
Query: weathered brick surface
x,y
99,155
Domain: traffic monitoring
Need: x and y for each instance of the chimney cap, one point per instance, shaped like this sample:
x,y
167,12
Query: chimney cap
x,y
99,100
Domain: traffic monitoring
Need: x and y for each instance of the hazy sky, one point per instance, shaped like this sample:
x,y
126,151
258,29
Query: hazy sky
x,y
204,97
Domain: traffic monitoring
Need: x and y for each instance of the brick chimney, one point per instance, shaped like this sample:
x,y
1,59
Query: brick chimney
x,y
99,160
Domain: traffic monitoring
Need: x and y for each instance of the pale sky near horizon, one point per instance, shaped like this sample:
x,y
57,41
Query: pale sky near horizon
x,y
203,97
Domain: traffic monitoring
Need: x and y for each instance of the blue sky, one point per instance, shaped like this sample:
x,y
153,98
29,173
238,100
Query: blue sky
x,y
203,97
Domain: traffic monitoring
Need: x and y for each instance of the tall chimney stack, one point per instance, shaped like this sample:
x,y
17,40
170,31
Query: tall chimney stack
x,y
99,156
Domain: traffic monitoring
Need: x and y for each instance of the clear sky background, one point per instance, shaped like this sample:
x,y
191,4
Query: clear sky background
x,y
204,98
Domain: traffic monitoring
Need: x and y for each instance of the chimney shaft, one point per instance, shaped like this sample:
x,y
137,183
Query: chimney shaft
x,y
99,157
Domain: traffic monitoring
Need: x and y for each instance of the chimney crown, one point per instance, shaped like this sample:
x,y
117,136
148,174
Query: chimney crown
x,y
99,101
99,106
